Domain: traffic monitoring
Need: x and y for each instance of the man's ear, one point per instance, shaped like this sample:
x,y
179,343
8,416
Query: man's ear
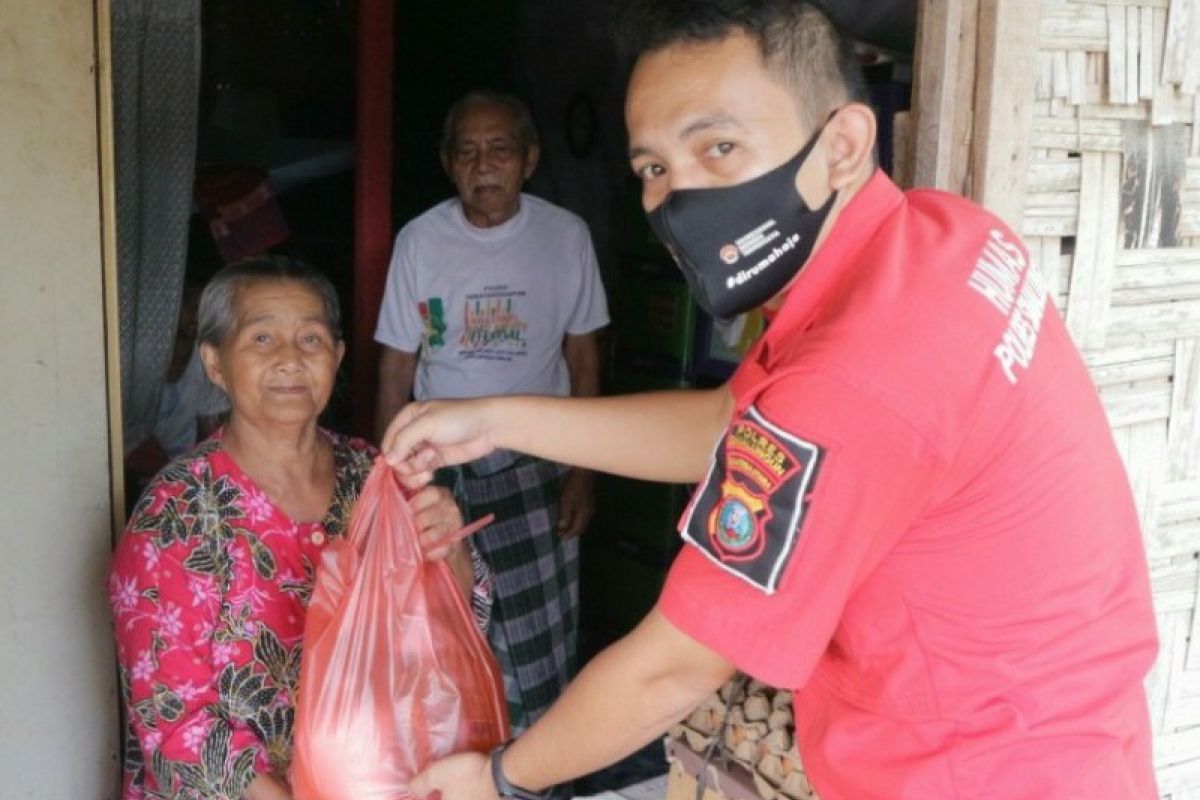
x,y
850,145
531,160
341,351
212,365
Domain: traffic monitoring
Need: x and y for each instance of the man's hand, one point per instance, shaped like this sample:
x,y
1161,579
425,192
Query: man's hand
x,y
576,504
425,436
465,776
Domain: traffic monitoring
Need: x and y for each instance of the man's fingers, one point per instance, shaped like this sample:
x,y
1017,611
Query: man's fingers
x,y
415,480
392,440
421,785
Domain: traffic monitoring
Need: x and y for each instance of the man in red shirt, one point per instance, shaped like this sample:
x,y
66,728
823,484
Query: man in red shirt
x,y
909,505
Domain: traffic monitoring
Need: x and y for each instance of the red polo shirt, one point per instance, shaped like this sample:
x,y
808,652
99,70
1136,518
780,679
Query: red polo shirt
x,y
918,519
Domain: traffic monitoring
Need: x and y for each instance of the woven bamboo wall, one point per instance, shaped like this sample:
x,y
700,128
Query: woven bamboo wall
x,y
1079,124
1083,131
1112,211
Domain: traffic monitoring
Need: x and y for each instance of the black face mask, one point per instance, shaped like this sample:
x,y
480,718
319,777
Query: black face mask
x,y
738,246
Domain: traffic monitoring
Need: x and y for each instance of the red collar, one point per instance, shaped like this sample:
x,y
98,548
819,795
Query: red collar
x,y
828,267
837,256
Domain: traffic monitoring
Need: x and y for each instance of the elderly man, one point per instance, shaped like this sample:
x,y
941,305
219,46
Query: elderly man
x,y
496,292
909,507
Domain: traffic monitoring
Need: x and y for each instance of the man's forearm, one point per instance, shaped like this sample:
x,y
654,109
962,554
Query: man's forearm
x,y
396,372
387,406
582,353
659,436
625,697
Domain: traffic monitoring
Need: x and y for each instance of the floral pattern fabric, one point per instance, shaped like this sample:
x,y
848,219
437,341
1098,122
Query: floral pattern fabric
x,y
209,587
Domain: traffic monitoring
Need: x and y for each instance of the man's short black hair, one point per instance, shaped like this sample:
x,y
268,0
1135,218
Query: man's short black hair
x,y
798,41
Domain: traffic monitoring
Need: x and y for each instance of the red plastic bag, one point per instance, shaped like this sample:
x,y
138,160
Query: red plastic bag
x,y
395,673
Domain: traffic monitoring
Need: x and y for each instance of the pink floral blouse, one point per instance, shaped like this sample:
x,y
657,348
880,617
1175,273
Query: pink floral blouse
x,y
208,589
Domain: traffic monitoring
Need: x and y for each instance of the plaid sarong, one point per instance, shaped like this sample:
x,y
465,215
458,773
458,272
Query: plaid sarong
x,y
535,616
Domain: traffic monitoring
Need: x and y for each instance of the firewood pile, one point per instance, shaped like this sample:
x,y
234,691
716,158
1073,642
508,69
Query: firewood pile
x,y
759,735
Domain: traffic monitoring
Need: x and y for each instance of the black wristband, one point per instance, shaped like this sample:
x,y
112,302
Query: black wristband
x,y
503,787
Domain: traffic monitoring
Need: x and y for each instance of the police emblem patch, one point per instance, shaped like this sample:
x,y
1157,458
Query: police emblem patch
x,y
747,514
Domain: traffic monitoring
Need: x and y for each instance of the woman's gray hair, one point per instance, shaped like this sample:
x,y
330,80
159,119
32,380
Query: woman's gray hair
x,y
524,128
215,318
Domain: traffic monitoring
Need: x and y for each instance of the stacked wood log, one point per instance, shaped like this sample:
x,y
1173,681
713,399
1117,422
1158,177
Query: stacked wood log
x,y
759,735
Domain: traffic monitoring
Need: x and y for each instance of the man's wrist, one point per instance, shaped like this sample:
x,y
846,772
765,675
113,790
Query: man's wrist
x,y
504,787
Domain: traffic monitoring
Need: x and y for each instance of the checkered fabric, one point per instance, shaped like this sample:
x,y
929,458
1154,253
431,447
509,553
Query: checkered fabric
x,y
535,616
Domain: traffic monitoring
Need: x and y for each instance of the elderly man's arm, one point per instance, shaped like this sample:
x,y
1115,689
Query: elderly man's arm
x,y
624,698
575,506
396,371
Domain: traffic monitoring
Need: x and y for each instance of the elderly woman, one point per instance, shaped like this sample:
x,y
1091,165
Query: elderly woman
x,y
212,577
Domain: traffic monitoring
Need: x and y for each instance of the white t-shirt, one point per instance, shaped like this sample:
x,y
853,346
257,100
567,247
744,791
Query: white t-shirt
x,y
192,396
488,307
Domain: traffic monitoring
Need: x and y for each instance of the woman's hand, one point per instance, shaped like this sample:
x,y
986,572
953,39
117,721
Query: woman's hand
x,y
266,787
438,518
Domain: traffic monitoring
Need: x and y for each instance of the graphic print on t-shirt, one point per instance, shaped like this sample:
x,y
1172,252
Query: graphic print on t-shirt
x,y
493,328
747,514
433,319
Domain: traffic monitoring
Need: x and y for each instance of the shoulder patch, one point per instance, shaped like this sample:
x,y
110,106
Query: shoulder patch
x,y
747,513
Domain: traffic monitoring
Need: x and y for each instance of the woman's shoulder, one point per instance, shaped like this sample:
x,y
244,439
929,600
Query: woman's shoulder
x,y
353,459
351,449
189,469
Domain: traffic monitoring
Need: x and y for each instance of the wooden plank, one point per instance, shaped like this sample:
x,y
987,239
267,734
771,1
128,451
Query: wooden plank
x,y
1178,780
1051,214
1077,77
1007,57
1174,61
1194,150
1059,175
1105,111
902,152
1191,67
1180,539
1095,250
1136,404
1172,631
1132,40
1046,252
1150,191
1156,370
1102,136
1180,501
1147,61
1073,26
1151,351
1173,585
1156,322
1162,109
1116,55
1146,465
1044,88
1183,442
1184,259
108,238
941,109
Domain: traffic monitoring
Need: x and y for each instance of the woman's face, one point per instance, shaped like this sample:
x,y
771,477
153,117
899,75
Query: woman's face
x,y
278,362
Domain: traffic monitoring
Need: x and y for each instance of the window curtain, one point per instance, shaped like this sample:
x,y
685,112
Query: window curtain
x,y
156,73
